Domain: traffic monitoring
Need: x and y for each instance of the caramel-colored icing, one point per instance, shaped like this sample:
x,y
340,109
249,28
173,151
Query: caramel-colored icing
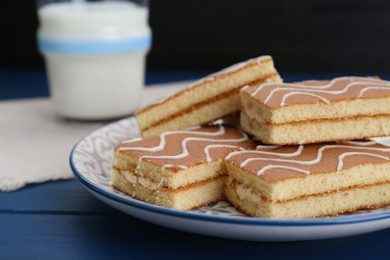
x,y
177,150
275,95
277,163
212,77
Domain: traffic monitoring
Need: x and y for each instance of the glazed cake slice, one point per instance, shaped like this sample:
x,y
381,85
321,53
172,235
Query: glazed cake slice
x,y
309,181
211,98
344,108
178,169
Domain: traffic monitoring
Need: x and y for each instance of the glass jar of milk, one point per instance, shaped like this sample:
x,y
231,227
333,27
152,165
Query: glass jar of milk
x,y
95,56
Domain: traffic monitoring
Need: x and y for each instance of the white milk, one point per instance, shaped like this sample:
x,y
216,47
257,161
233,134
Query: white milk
x,y
95,57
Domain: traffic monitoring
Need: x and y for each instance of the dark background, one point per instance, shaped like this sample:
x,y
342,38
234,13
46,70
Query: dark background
x,y
346,36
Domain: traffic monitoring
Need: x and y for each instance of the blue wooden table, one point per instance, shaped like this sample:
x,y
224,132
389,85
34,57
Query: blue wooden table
x,y
61,220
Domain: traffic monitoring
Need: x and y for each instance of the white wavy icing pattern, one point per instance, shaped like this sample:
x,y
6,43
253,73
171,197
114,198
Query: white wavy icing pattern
x,y
316,91
184,152
362,146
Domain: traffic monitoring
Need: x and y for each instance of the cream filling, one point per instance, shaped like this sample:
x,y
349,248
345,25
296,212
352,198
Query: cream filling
x,y
144,182
245,193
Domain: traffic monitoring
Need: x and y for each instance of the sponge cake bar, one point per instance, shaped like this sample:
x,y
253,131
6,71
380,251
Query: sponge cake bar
x,y
208,99
179,169
313,111
309,181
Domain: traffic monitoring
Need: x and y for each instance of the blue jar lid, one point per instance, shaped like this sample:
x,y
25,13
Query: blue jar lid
x,y
107,46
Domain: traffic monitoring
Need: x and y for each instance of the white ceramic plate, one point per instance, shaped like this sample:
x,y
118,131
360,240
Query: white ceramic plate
x,y
91,163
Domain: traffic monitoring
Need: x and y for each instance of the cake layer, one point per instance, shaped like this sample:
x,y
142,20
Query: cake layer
x,y
206,100
281,173
185,198
314,131
321,205
180,157
177,165
207,111
314,111
309,180
342,97
172,177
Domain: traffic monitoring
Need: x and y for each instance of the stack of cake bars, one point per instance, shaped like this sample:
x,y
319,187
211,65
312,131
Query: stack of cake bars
x,y
307,163
292,177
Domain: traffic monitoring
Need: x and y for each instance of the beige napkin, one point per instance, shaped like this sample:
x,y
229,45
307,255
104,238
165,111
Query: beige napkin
x,y
35,145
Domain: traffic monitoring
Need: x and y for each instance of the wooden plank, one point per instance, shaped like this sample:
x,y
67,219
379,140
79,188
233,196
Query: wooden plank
x,y
26,236
61,197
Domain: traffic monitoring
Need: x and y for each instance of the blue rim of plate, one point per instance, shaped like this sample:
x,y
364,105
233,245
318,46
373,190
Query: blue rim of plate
x,y
127,200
